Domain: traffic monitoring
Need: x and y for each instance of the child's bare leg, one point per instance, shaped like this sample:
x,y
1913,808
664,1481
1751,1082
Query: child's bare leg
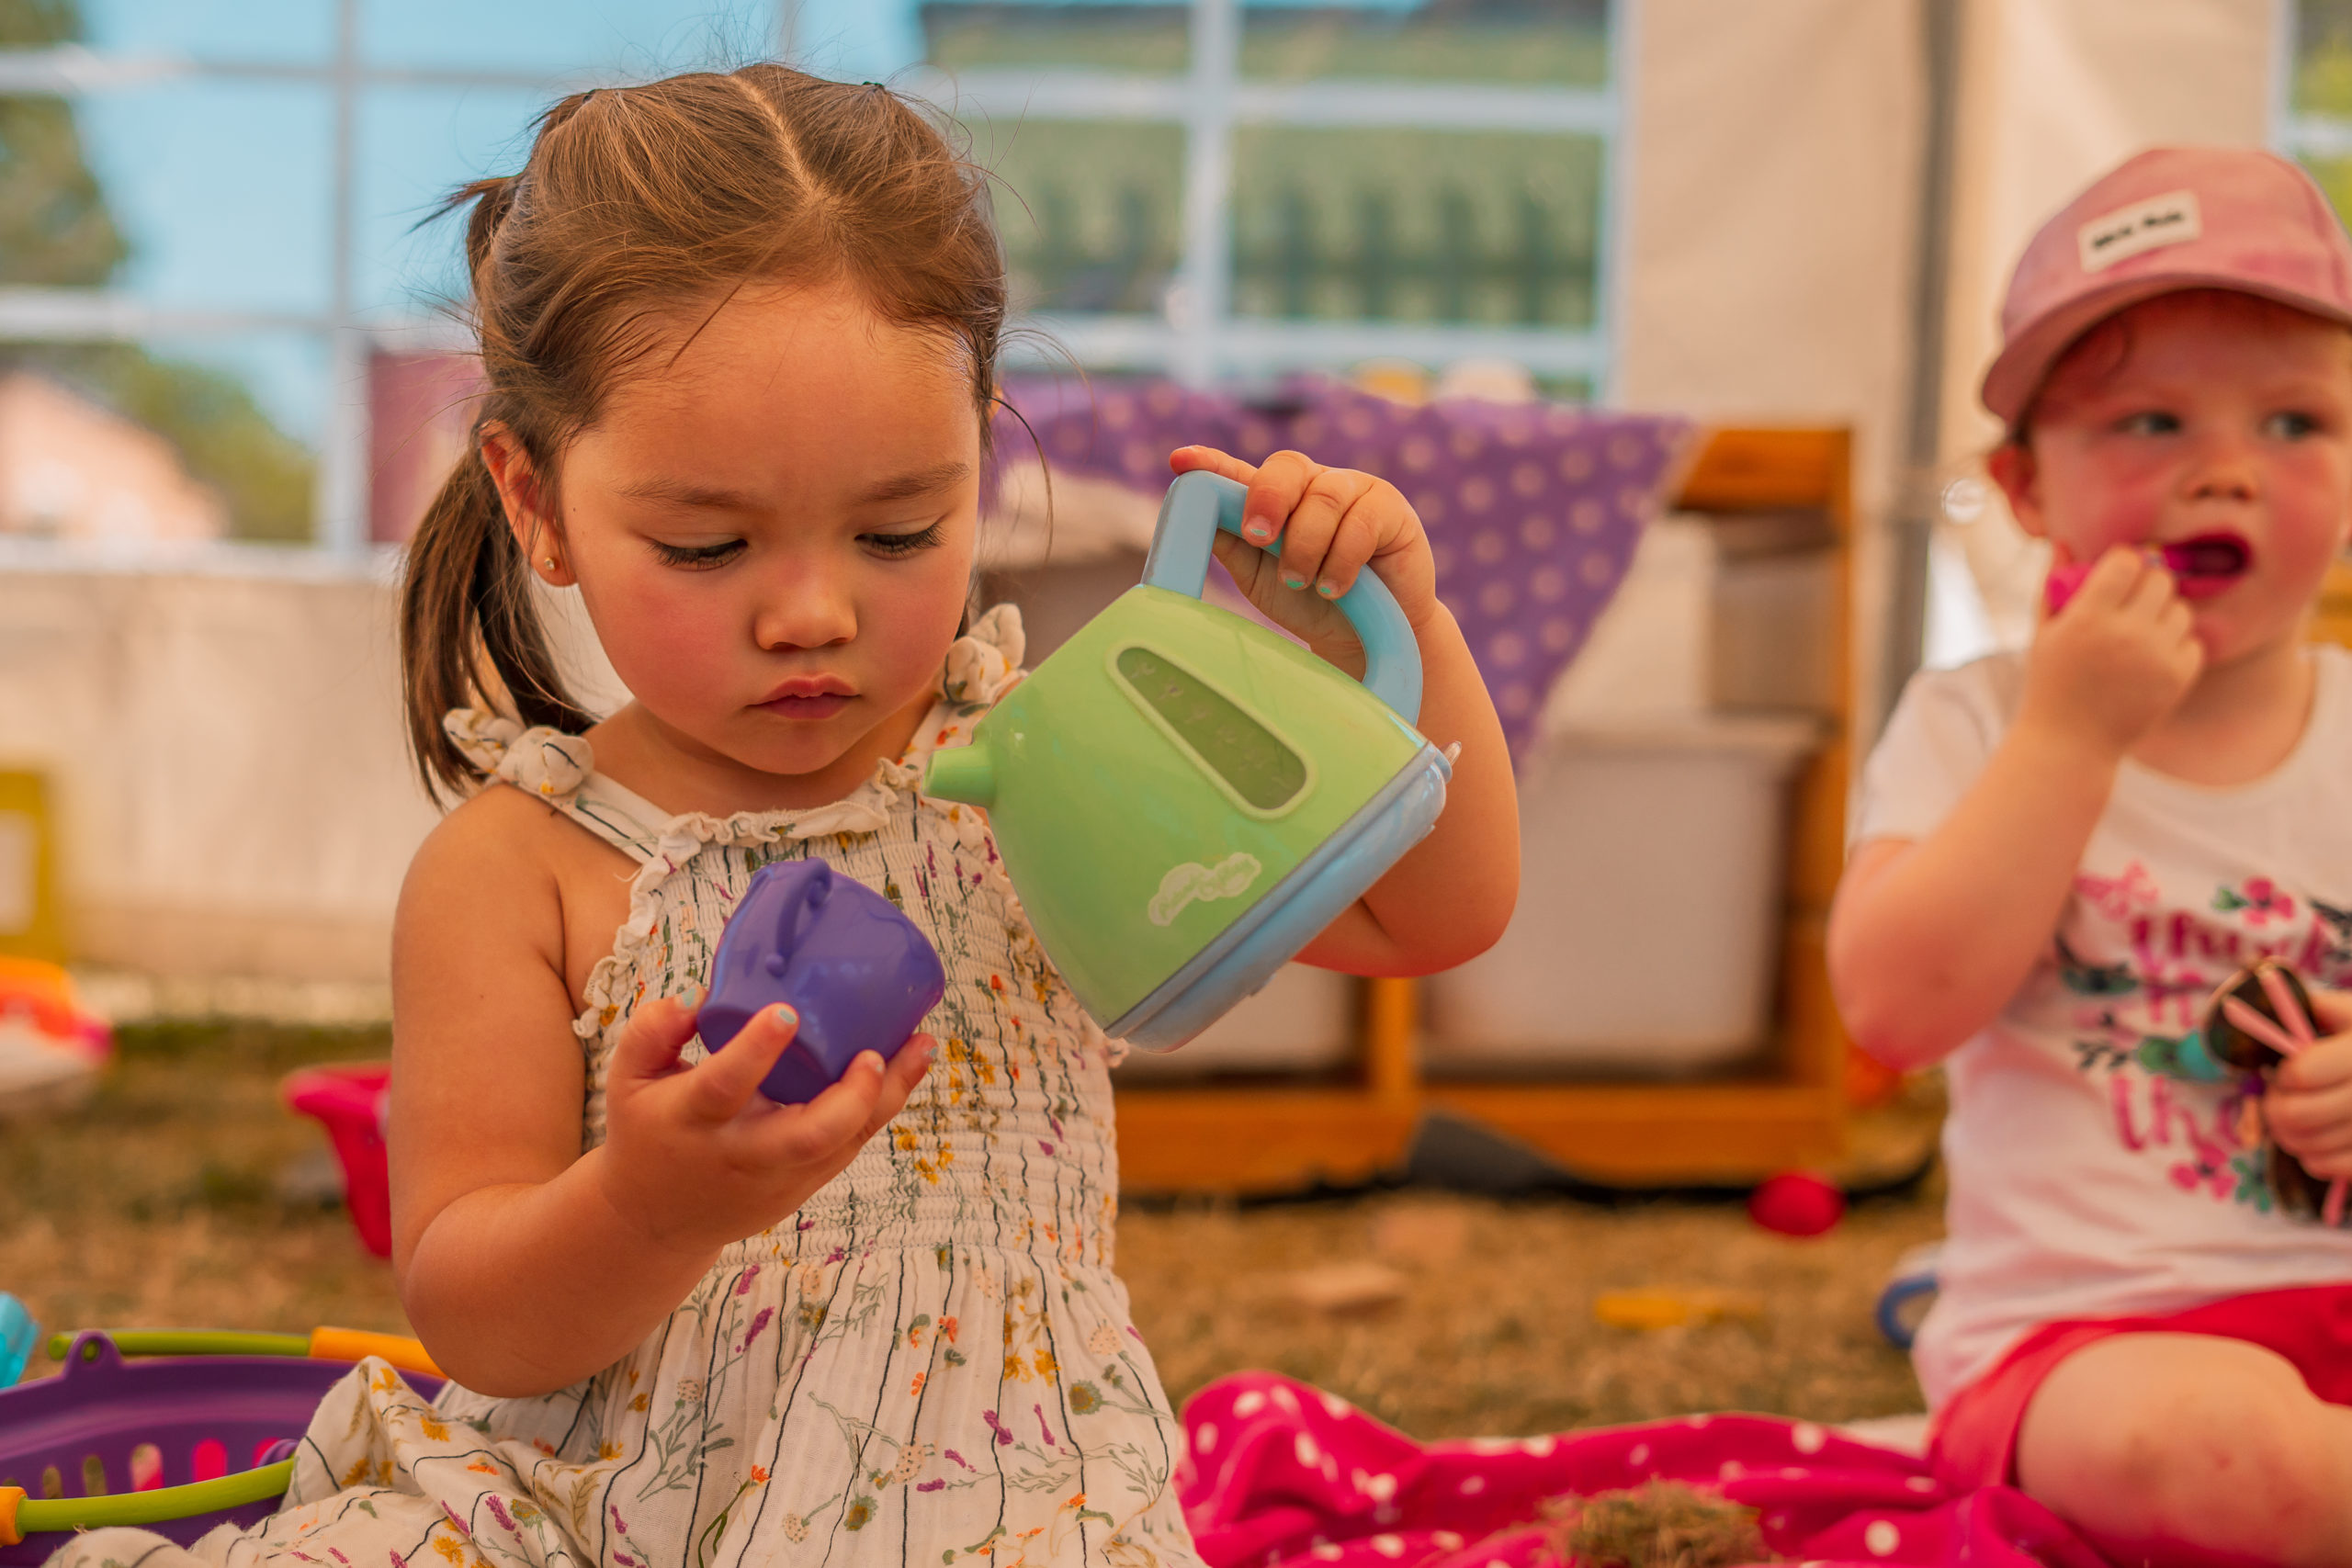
x,y
2184,1448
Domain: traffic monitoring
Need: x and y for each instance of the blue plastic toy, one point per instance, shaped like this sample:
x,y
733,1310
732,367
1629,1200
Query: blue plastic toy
x,y
860,974
19,1335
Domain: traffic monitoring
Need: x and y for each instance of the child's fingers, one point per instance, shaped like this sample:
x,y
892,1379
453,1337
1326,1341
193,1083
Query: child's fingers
x,y
2331,1010
723,1082
2112,578
656,1032
2154,593
899,1075
2325,1064
1186,460
833,1123
1274,493
1331,533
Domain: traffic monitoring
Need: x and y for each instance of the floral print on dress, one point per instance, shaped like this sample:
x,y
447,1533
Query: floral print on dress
x,y
930,1362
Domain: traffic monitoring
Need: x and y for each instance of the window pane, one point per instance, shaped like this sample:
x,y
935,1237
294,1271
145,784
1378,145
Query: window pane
x,y
1089,211
634,38
1115,36
279,31
220,190
1416,226
1553,43
168,441
416,144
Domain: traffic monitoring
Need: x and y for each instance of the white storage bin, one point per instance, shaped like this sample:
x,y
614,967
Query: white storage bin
x,y
1645,938
1301,1022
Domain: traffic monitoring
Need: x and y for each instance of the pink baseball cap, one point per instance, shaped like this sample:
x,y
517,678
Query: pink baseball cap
x,y
2170,219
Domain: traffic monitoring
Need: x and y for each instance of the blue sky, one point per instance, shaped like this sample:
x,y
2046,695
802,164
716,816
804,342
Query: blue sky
x,y
225,188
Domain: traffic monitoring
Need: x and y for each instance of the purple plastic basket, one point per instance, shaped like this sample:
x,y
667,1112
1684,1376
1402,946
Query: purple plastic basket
x,y
199,1416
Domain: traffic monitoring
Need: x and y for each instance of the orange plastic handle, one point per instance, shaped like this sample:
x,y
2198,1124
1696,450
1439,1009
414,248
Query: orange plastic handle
x,y
354,1344
9,1497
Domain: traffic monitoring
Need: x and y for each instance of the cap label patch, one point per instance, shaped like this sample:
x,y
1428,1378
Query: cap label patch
x,y
2168,219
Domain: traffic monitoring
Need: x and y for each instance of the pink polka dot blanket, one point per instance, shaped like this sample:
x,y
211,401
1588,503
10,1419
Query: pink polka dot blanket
x,y
1532,510
1281,1475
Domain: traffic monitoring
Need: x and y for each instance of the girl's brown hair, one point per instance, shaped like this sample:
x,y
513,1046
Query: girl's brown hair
x,y
633,203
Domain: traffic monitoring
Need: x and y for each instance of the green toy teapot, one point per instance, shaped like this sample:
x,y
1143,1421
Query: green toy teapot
x,y
1183,798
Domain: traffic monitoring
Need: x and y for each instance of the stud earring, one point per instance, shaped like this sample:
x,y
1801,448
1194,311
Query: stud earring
x,y
551,563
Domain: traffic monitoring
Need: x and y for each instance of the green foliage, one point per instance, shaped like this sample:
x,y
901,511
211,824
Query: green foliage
x,y
55,230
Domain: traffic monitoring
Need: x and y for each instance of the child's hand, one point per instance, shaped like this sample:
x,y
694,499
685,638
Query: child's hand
x,y
2116,659
1330,523
698,1157
2308,1105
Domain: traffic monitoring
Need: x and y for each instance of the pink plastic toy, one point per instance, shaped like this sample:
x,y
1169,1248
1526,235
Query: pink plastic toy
x,y
1796,1202
349,1099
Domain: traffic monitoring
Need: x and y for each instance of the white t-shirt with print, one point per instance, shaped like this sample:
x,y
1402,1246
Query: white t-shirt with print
x,y
2092,1174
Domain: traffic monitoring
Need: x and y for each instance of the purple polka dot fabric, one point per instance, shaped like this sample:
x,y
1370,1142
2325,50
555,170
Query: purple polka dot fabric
x,y
1532,510
1277,1474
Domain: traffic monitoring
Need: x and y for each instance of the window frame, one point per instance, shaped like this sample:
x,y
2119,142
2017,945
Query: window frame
x,y
1197,338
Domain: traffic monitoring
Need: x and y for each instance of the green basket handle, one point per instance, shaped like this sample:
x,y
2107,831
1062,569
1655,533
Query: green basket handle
x,y
21,1516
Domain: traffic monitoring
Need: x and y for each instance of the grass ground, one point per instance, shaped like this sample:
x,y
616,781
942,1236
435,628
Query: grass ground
x,y
160,1203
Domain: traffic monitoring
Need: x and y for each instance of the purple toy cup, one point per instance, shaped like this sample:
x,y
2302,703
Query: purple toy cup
x,y
860,974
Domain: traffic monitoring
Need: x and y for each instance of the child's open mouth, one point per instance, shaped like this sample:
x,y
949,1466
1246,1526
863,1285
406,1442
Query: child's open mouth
x,y
2207,564
2200,567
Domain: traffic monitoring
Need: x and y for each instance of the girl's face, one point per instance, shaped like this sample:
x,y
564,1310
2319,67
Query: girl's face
x,y
772,531
2224,431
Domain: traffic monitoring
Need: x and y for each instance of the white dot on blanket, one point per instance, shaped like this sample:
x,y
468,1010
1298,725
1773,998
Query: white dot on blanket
x,y
1328,1552
1337,1407
1807,1438
1250,1403
1921,1483
1882,1538
1287,1400
1473,1484
1388,1545
1307,1450
1446,1540
1203,1437
1539,1447
1641,1454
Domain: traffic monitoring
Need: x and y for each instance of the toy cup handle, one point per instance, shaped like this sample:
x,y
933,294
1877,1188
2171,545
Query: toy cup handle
x,y
1199,504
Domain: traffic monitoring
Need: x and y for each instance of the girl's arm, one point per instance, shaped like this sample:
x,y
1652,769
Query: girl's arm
x,y
526,1265
1929,939
1449,897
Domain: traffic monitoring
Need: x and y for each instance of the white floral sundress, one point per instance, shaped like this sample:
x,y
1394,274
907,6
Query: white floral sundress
x,y
930,1363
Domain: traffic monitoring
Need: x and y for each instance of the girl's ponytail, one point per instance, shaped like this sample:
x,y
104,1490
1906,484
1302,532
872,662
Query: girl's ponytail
x,y
466,603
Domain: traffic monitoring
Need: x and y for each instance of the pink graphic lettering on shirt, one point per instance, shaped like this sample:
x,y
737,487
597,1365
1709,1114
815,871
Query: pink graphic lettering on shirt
x,y
2206,1163
2118,897
2256,901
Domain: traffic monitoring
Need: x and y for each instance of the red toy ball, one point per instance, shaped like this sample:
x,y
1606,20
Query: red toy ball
x,y
1796,1202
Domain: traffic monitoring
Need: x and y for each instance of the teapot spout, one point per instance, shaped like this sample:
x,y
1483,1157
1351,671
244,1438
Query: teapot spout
x,y
963,773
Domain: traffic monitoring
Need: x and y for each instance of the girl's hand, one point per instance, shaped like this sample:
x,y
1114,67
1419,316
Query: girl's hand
x,y
1329,524
2116,659
698,1157
2308,1105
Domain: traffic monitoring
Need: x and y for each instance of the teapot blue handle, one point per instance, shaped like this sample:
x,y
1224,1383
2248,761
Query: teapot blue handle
x,y
1200,502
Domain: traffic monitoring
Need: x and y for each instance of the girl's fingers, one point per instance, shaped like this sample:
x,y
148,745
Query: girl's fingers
x,y
1314,555
1267,511
2331,1010
723,1082
905,1069
1186,460
2112,578
833,1123
657,1031
1356,544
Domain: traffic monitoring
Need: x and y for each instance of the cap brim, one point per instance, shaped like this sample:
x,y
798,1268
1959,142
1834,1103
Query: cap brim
x,y
2016,374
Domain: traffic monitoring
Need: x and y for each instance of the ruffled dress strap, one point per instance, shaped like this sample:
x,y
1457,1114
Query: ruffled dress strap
x,y
561,770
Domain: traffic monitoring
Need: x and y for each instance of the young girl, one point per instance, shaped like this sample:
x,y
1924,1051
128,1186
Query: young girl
x,y
740,334
2060,855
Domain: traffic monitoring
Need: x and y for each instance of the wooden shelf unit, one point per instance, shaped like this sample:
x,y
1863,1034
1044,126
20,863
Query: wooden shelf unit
x,y
1260,1136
